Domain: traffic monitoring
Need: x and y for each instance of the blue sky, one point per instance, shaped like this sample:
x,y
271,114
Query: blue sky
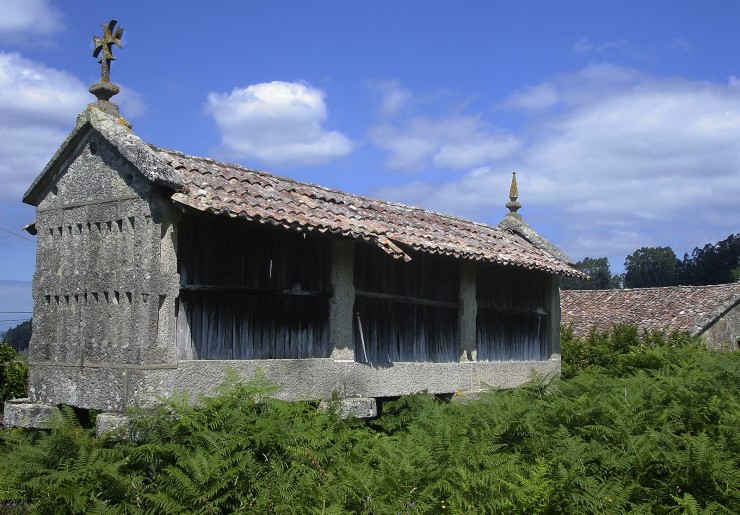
x,y
621,119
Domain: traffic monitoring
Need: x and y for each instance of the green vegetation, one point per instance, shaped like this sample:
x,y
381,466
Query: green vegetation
x,y
18,337
641,422
651,266
712,264
600,277
659,266
13,374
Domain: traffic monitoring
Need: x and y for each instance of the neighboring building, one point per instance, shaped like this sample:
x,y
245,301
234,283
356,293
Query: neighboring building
x,y
712,312
157,271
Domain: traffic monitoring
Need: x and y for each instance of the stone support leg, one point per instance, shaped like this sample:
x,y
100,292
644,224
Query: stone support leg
x,y
342,301
467,313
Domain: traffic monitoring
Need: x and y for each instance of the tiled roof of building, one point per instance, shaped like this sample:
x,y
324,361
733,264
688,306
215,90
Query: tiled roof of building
x,y
681,308
238,192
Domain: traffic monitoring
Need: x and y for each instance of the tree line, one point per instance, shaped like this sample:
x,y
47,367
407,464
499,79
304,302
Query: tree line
x,y
18,337
658,266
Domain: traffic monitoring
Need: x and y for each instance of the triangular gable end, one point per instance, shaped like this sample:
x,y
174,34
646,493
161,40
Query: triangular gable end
x,y
95,129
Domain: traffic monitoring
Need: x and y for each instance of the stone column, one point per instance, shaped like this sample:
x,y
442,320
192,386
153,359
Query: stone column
x,y
342,300
555,317
467,313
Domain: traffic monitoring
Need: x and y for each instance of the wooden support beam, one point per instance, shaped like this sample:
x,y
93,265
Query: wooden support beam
x,y
252,291
406,300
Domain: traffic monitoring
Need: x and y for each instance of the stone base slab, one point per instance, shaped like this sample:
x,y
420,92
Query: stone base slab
x,y
26,413
357,408
113,425
115,390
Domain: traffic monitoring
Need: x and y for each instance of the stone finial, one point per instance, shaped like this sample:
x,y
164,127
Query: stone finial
x,y
513,205
105,89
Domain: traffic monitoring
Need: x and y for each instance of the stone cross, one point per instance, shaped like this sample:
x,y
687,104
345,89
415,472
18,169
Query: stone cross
x,y
104,45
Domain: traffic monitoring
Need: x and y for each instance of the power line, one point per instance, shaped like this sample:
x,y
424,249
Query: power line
x,y
16,234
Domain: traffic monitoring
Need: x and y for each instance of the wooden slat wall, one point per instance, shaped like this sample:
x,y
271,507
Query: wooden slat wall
x,y
511,336
425,276
393,331
402,323
513,314
219,252
249,292
244,326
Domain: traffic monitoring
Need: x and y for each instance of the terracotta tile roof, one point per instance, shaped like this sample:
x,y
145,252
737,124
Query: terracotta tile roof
x,y
238,192
682,308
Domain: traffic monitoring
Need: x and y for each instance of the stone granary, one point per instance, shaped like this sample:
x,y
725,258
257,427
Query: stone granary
x,y
157,271
711,312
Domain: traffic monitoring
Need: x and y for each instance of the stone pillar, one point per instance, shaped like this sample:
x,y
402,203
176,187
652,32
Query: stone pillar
x,y
467,313
555,317
342,300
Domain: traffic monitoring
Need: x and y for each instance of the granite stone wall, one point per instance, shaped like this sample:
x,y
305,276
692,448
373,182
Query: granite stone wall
x,y
105,307
105,283
725,332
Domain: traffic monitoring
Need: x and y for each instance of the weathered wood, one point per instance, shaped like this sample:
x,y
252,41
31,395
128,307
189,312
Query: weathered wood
x,y
255,326
513,321
406,311
405,332
249,292
426,276
405,300
254,291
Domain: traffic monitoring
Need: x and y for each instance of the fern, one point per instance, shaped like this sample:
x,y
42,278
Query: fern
x,y
646,423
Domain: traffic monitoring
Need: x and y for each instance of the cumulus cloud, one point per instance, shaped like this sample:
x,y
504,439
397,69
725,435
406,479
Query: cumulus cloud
x,y
38,105
21,19
624,160
277,123
455,142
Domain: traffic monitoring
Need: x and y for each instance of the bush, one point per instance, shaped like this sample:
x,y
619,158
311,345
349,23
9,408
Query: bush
x,y
13,374
618,351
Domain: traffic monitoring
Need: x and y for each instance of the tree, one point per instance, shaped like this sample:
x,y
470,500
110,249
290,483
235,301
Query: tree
x,y
712,264
651,266
18,337
618,281
598,271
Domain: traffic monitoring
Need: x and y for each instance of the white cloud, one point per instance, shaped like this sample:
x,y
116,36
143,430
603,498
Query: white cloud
x,y
624,160
584,45
278,123
542,96
682,45
37,109
619,47
131,102
393,96
456,142
25,19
